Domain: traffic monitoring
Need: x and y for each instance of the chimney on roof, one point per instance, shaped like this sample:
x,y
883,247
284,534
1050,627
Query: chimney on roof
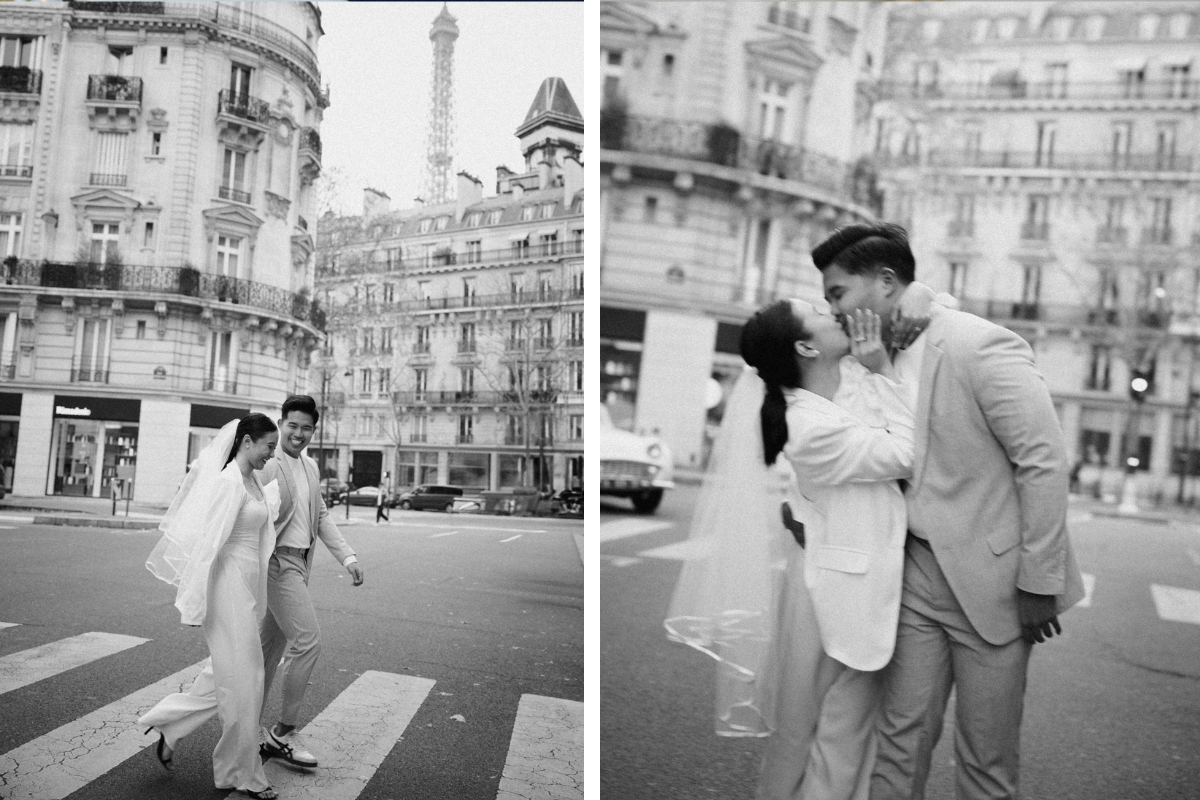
x,y
375,203
470,192
503,173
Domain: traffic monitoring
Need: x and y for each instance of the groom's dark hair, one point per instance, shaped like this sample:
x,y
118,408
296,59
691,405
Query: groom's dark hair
x,y
866,249
302,403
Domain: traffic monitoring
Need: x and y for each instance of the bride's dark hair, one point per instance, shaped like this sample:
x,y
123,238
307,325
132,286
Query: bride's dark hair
x,y
768,344
253,425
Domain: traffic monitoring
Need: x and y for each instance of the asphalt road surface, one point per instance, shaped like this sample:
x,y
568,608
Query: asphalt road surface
x,y
1112,709
439,677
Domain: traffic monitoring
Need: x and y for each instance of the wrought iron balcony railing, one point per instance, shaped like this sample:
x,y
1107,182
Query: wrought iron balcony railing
x,y
1035,231
310,139
1147,314
466,345
20,80
420,348
447,258
1158,235
1043,90
236,195
16,170
513,398
89,375
1107,235
417,438
163,280
99,7
464,438
115,88
244,106
553,297
515,345
1030,159
102,179
728,147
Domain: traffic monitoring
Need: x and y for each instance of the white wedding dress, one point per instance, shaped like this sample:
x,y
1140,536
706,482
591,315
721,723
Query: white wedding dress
x,y
231,682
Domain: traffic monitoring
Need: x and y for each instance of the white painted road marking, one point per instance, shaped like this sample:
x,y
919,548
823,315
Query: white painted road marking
x,y
1177,605
11,518
436,535
545,756
9,624
356,731
1089,585
68,758
623,528
620,561
29,666
687,550
511,538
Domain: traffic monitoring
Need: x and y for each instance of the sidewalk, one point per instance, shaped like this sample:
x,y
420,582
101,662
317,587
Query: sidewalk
x,y
83,511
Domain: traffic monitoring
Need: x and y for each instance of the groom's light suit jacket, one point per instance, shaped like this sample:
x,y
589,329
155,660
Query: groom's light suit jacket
x,y
990,473
278,470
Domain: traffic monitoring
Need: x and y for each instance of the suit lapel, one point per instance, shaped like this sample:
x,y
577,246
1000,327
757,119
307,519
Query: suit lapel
x,y
930,361
314,496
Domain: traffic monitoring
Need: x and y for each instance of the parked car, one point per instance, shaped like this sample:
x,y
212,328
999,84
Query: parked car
x,y
633,466
332,490
429,495
365,496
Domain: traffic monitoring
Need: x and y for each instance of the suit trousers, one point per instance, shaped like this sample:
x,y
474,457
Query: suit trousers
x,y
937,648
291,625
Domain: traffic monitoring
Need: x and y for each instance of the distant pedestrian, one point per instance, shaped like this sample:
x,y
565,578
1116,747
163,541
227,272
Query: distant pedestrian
x,y
381,504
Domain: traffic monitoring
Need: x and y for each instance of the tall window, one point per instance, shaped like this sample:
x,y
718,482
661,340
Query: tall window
x,y
545,280
516,286
385,378
10,235
466,338
420,426
545,333
468,292
105,239
466,380
1133,81
368,340
514,432
1122,142
120,60
575,376
575,427
1164,145
1160,220
963,223
422,343
385,340
613,68
466,428
1114,220
474,251
1100,370
239,82
366,381
548,244
1044,156
420,382
229,254
773,102
91,351
1031,285
1178,80
1037,212
575,329
233,176
18,51
925,78
16,149
220,354
958,278
516,335
108,168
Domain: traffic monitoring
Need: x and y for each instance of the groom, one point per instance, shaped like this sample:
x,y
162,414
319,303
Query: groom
x,y
988,564
291,618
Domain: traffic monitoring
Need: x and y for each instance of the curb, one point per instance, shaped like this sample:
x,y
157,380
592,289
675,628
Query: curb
x,y
97,522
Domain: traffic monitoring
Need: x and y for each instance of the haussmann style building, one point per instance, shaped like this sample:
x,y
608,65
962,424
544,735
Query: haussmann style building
x,y
156,163
455,352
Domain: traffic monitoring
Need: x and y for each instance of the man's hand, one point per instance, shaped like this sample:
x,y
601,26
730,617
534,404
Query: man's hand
x,y
910,315
1039,621
355,572
794,526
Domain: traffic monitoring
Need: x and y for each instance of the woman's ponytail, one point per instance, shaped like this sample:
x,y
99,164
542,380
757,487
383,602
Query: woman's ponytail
x,y
768,344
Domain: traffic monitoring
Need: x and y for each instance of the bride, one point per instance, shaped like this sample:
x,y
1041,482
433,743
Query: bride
x,y
800,634
217,540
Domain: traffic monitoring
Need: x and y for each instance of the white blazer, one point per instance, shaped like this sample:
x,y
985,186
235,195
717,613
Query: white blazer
x,y
847,456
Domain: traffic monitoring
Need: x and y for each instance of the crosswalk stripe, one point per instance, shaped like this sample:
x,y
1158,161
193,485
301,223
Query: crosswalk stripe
x,y
439,535
622,528
510,539
69,757
9,624
1175,604
1089,585
29,666
545,756
351,737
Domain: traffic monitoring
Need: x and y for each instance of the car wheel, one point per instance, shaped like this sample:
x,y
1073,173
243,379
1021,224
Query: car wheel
x,y
407,506
647,502
448,507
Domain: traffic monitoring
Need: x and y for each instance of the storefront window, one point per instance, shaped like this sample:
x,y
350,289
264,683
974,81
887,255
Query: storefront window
x,y
510,471
469,470
93,456
414,468
8,451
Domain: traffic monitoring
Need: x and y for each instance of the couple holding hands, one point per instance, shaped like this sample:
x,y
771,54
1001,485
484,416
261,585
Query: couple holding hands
x,y
238,543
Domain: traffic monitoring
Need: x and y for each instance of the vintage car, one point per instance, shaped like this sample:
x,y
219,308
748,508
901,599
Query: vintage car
x,y
633,466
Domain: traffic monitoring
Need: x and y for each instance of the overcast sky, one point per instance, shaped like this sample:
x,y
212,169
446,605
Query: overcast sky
x,y
377,58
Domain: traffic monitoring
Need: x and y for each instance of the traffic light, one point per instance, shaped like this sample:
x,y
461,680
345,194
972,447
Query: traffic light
x,y
1139,384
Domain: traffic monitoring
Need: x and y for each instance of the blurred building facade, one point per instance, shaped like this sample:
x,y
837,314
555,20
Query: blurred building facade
x,y
456,330
730,134
156,162
1045,158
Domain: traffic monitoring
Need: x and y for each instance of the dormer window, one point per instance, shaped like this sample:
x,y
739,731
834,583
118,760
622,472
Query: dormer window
x,y
527,213
474,218
980,31
494,217
425,225
548,210
1007,28
442,222
1147,26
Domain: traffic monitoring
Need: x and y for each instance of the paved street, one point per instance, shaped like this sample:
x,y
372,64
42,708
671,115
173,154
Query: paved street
x,y
443,676
1113,708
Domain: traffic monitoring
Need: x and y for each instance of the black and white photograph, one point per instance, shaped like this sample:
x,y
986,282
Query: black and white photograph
x,y
899,448
292,400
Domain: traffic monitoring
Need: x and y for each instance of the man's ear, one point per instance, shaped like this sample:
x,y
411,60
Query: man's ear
x,y
806,350
892,288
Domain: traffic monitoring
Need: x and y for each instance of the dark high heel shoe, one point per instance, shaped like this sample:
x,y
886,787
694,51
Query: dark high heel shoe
x,y
168,762
265,794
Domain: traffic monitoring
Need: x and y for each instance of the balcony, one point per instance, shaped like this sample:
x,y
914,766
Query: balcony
x,y
1035,231
1025,311
510,399
243,116
1158,235
236,195
543,343
421,348
515,345
99,7
1103,316
20,80
16,170
104,179
1014,88
573,341
88,375
1067,315
726,146
506,255
417,438
114,103
220,385
464,438
310,154
960,228
466,345
1098,161
182,281
1107,235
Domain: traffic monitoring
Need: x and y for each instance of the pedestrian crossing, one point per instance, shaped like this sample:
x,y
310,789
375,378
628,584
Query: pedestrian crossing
x,y
357,731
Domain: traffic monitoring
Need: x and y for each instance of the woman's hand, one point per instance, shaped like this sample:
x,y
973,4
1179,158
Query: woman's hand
x,y
910,316
866,343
